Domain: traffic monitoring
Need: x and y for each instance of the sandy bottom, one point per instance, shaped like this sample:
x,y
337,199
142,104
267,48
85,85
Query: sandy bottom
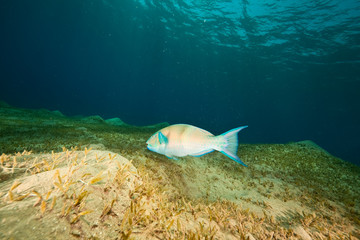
x,y
86,178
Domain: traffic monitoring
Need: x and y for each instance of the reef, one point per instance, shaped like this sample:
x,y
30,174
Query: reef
x,y
89,178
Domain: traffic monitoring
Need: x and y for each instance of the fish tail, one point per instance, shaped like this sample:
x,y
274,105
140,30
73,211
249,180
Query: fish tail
x,y
231,144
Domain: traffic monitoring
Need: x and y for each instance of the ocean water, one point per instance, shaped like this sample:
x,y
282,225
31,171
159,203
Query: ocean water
x,y
288,69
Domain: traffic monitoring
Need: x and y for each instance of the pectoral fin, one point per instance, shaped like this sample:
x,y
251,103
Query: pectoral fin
x,y
172,157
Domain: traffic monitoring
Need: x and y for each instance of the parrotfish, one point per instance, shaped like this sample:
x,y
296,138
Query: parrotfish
x,y
181,140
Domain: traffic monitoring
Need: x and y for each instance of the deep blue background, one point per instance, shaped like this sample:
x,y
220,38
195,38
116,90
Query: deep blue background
x,y
289,70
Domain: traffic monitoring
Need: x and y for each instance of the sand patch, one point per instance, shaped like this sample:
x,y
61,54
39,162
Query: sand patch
x,y
84,195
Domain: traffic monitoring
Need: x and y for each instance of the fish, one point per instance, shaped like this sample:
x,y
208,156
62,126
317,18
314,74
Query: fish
x,y
180,140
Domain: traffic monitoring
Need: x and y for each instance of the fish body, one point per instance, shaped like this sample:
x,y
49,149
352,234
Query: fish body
x,y
181,140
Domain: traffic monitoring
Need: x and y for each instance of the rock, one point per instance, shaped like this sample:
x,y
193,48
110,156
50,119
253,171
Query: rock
x,y
4,104
58,113
115,122
93,119
158,125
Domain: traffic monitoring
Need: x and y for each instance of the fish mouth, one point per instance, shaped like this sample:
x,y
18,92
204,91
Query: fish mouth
x,y
149,147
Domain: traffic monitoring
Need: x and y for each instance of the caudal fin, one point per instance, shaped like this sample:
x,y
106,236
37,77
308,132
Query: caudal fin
x,y
231,147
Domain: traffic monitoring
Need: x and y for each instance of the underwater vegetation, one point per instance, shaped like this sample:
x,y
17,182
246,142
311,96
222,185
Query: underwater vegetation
x,y
89,178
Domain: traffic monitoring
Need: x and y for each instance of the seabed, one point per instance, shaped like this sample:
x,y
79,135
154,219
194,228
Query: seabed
x,y
88,178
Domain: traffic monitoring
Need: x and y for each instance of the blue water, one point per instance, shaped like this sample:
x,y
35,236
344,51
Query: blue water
x,y
288,69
